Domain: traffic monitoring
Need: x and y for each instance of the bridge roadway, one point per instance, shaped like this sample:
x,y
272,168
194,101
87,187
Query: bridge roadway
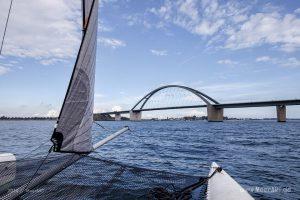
x,y
218,106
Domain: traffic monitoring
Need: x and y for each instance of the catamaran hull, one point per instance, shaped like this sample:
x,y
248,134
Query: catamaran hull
x,y
8,167
221,186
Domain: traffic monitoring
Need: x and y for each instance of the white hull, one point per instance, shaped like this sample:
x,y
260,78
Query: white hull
x,y
7,167
221,186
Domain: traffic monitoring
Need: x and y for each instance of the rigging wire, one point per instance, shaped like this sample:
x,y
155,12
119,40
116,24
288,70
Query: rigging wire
x,y
6,24
38,168
98,124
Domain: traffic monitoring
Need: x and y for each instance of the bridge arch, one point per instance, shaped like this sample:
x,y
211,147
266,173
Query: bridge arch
x,y
205,98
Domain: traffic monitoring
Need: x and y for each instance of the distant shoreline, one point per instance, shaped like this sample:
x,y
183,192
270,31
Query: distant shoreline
x,y
4,118
27,118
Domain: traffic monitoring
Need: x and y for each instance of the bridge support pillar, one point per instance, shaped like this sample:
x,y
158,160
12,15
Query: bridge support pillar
x,y
214,114
281,113
135,116
118,117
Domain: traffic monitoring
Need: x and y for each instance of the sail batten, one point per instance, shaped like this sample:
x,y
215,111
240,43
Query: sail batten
x,y
73,130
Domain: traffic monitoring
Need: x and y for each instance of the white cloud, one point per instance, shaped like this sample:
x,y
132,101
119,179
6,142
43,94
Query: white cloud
x,y
267,28
137,19
284,62
227,62
111,42
204,18
4,70
263,59
290,62
208,28
102,27
232,24
189,8
102,3
158,52
240,18
50,61
52,113
116,108
42,29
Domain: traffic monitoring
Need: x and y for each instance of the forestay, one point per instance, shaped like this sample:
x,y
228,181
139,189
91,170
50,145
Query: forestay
x,y
73,129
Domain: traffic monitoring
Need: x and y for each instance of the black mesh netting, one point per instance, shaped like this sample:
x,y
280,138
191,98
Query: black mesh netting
x,y
92,178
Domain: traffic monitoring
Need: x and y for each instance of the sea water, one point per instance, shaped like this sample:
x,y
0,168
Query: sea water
x,y
263,156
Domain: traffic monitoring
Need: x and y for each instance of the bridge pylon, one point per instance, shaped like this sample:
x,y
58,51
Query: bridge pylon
x,y
135,115
118,117
214,114
281,113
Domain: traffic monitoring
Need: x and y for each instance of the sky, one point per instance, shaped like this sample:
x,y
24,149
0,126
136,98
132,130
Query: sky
x,y
233,51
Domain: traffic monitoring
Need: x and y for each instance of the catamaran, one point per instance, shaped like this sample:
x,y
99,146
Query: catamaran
x,y
72,143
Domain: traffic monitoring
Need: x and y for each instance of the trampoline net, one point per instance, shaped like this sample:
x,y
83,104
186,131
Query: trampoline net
x,y
93,178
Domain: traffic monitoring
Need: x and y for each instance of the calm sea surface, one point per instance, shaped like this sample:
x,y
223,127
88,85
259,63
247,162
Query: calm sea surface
x,y
263,156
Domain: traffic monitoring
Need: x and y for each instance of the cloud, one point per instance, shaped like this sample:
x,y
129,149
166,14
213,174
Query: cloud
x,y
50,61
102,3
52,113
227,62
297,11
102,27
4,70
111,42
45,30
116,108
291,62
204,18
263,59
137,19
158,52
232,24
267,28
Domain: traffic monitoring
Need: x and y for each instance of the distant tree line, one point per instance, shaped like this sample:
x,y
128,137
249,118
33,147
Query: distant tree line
x,y
27,118
106,117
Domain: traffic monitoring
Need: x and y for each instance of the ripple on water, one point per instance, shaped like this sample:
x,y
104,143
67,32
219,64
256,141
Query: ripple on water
x,y
256,153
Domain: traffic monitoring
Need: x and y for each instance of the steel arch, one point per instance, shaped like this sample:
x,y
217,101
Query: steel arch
x,y
207,99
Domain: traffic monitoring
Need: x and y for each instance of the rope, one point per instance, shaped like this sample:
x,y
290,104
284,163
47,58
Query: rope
x,y
37,170
30,152
161,193
6,24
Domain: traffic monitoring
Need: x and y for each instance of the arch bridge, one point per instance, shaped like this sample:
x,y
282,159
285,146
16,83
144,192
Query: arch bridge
x,y
215,109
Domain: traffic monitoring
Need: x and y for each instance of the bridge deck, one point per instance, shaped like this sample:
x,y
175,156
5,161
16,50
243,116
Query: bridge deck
x,y
225,105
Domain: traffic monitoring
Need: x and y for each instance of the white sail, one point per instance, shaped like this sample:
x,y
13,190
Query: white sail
x,y
73,130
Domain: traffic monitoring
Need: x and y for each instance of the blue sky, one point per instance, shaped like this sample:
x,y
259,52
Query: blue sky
x,y
231,50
